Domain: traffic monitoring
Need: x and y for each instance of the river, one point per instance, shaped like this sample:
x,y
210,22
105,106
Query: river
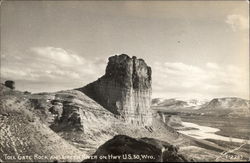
x,y
204,132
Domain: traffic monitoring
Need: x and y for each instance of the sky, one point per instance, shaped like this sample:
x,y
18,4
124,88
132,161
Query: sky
x,y
197,49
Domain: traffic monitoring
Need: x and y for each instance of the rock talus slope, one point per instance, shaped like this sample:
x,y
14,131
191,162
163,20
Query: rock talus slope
x,y
125,89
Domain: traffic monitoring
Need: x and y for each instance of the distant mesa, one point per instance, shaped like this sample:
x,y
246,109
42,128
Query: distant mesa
x,y
125,89
230,106
226,106
227,103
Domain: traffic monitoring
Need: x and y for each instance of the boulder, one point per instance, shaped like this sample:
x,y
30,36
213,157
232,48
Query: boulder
x,y
122,148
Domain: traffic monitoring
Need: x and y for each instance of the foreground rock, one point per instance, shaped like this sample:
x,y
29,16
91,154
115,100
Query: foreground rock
x,y
123,148
125,89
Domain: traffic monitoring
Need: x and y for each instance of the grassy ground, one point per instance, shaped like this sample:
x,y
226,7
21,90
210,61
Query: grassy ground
x,y
241,151
232,145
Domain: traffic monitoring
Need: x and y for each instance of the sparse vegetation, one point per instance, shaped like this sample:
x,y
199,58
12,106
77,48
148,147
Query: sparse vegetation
x,y
232,145
13,110
27,92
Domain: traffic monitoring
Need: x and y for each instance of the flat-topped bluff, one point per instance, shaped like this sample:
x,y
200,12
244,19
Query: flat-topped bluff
x,y
125,89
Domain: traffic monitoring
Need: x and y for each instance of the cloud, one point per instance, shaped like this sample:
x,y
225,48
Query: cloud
x,y
58,55
52,66
237,22
212,65
181,67
183,80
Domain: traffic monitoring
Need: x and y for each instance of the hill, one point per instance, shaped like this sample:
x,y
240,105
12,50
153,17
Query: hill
x,y
24,137
228,106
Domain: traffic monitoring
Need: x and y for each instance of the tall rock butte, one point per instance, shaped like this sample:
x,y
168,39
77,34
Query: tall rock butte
x,y
125,89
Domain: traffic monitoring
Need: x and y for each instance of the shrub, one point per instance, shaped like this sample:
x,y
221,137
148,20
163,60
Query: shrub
x,y
10,84
27,93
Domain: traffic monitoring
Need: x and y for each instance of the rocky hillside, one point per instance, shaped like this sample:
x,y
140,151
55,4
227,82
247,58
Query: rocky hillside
x,y
23,134
63,123
125,89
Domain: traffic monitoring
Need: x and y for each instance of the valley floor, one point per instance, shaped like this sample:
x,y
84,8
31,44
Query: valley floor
x,y
230,127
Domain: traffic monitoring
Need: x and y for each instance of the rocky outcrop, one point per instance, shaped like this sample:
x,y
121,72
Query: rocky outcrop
x,y
123,148
125,89
174,121
10,84
70,111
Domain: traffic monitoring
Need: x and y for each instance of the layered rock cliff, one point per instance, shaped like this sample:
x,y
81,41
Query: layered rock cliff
x,y
125,89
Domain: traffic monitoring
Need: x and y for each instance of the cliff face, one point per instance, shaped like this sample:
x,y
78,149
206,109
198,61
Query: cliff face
x,y
125,89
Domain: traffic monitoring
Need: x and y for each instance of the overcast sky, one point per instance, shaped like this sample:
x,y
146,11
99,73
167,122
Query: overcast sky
x,y
197,49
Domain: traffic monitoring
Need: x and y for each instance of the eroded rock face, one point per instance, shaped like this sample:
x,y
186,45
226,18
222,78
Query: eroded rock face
x,y
70,110
125,89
